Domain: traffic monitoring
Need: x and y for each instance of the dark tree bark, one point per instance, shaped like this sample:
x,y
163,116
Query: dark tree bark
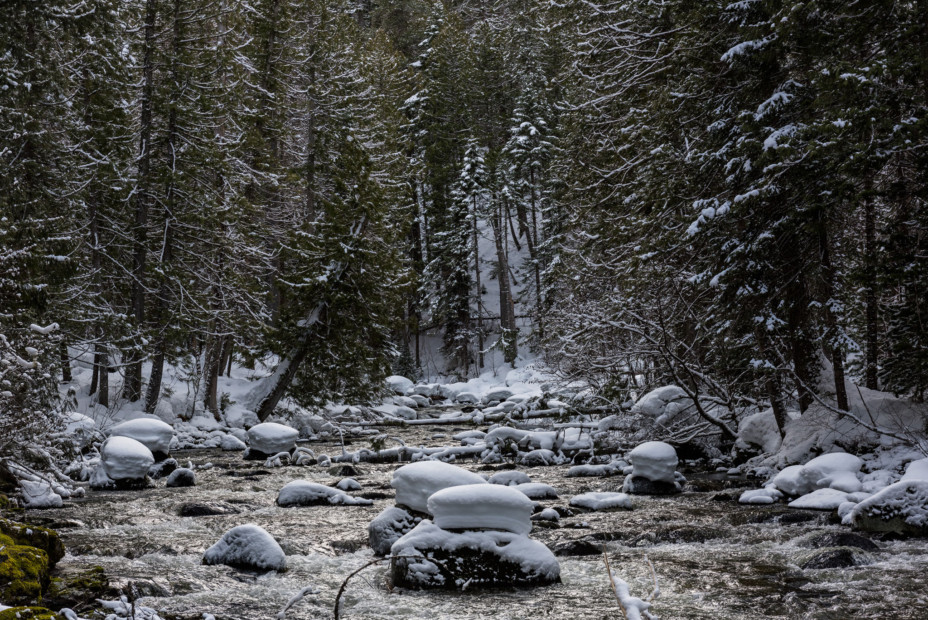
x,y
831,323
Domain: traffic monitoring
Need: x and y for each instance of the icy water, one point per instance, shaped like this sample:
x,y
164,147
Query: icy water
x,y
714,558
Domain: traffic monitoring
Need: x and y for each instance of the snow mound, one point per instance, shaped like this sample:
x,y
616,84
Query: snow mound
x,y
509,478
655,461
592,471
271,438
39,494
153,434
124,458
399,385
396,411
497,394
602,501
80,429
482,506
387,527
305,493
537,440
247,546
916,470
838,470
467,398
820,499
760,429
416,482
231,443
767,495
662,404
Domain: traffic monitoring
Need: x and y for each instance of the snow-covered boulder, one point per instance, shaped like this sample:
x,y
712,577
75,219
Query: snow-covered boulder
x,y
789,482
662,404
654,465
231,443
482,506
405,401
497,394
455,560
590,471
427,389
269,438
396,411
348,485
602,501
767,495
759,431
467,398
837,470
509,478
901,508
249,547
537,440
387,527
39,494
399,385
305,493
536,458
420,400
124,461
536,490
820,499
182,477
416,482
153,434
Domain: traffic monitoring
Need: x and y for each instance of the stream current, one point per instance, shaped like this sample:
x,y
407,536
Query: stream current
x,y
713,557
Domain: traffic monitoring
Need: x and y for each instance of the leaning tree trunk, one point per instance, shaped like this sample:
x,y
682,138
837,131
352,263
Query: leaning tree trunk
x,y
831,322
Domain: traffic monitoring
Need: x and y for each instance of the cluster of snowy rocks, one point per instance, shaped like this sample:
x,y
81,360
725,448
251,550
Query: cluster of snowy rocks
x,y
865,501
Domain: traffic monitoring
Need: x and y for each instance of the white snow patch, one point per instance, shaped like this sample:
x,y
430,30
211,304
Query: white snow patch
x,y
602,501
416,482
482,506
247,546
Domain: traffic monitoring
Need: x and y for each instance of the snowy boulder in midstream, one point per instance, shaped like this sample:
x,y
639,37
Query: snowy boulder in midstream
x,y
249,547
124,462
601,501
837,470
182,477
416,482
387,527
482,506
231,443
509,478
900,508
153,434
431,557
654,465
269,438
305,493
497,394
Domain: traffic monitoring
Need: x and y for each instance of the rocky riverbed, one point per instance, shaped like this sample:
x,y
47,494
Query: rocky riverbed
x,y
713,557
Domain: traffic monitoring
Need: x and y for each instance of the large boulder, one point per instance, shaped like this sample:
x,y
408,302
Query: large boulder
x,y
598,501
269,438
482,506
416,482
153,434
248,547
124,463
900,508
429,557
182,477
388,527
399,385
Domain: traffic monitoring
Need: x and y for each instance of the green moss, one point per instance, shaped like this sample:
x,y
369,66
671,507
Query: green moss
x,y
79,589
34,536
28,613
23,572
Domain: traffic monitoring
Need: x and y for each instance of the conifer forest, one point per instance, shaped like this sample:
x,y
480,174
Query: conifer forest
x,y
695,222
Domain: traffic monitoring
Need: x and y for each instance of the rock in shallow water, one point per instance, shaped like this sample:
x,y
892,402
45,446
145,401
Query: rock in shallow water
x,y
638,485
835,557
388,527
249,547
305,493
182,477
900,508
207,509
429,557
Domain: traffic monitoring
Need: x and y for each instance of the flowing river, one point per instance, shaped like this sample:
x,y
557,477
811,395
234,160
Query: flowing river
x,y
713,557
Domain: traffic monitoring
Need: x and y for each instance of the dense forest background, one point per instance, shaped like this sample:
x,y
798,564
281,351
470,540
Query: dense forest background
x,y
729,196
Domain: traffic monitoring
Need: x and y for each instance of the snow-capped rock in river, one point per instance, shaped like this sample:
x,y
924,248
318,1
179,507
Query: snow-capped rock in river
x,y
153,434
602,501
231,443
482,506
182,477
654,465
247,546
455,560
509,478
269,438
305,493
123,460
837,470
39,494
416,482
387,527
901,508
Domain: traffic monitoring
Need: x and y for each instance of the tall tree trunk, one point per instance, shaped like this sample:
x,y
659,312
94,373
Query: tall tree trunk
x,y
870,296
536,259
479,286
65,362
506,310
831,322
133,384
772,383
101,362
212,354
155,378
